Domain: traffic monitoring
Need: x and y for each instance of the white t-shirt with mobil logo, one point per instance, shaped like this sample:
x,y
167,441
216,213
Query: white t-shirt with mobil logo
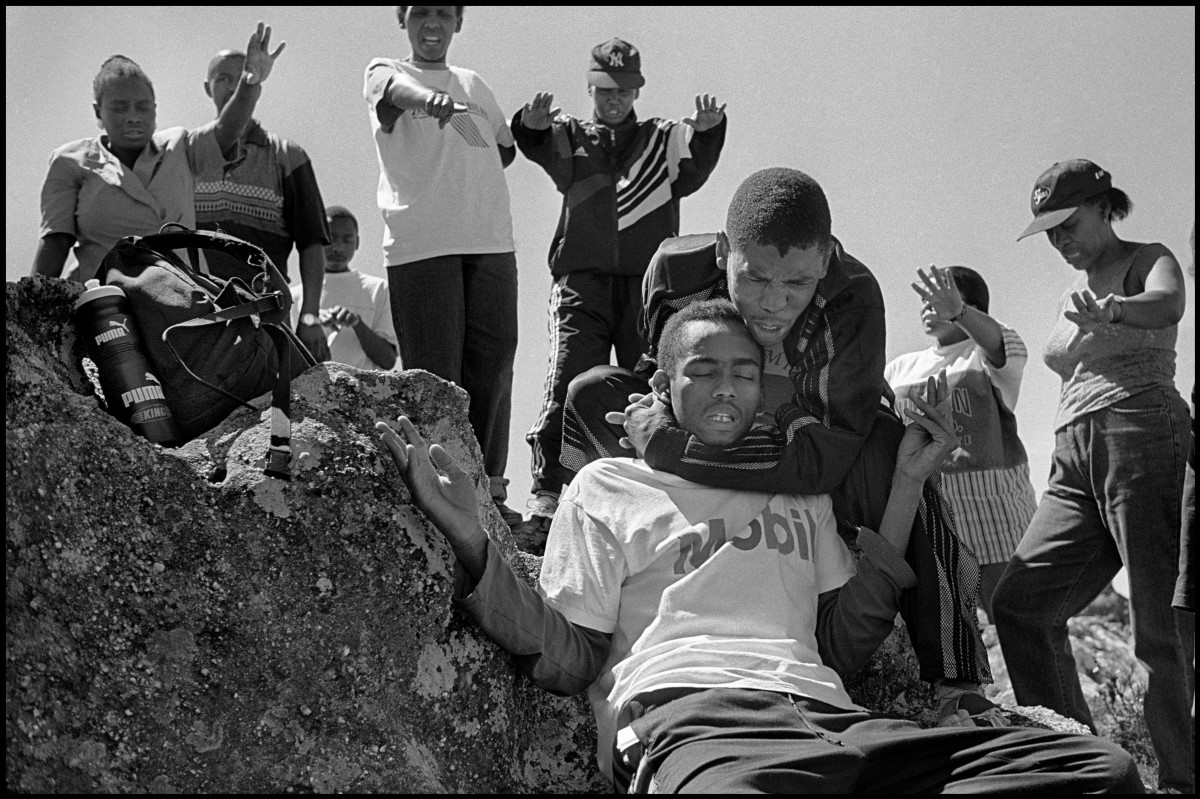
x,y
442,190
699,586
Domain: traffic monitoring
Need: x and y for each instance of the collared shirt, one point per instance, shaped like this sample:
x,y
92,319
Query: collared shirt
x,y
89,194
266,194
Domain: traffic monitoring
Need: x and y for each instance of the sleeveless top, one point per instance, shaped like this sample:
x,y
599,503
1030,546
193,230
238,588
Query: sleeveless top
x,y
1112,362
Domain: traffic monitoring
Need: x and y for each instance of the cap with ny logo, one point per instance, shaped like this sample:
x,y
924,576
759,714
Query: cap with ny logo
x,y
615,64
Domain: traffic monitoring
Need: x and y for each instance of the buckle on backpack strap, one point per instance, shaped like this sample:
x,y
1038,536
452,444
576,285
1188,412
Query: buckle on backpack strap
x,y
279,453
279,459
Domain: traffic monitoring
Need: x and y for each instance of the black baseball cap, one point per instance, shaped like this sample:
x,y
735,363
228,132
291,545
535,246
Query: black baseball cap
x,y
1061,189
616,64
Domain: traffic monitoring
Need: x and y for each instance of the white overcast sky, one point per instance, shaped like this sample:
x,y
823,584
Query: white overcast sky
x,y
926,127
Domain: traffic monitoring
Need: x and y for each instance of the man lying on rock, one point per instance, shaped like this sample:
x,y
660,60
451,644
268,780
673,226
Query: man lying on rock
x,y
710,624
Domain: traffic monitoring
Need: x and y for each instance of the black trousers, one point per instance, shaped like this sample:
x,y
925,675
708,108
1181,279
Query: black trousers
x,y
591,315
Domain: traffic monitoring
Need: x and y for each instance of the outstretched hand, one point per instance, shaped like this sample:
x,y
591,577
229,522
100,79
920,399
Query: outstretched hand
x,y
939,291
708,115
930,438
439,486
441,106
259,58
1091,312
538,114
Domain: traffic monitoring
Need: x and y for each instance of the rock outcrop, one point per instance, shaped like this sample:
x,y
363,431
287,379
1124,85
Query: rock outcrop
x,y
178,621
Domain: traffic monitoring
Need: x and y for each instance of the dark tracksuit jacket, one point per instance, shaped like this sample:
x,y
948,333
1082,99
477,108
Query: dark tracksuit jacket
x,y
834,437
621,188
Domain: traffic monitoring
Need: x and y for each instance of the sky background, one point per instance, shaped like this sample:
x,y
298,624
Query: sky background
x,y
925,126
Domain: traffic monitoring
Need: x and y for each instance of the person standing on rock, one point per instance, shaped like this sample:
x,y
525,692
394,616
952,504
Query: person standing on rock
x,y
355,308
710,624
266,193
132,179
1116,481
987,479
443,145
622,179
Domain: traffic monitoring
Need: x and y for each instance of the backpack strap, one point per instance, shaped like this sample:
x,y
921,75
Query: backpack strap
x,y
279,452
259,266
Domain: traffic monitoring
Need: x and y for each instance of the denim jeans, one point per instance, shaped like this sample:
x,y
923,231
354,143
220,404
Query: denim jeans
x,y
1113,499
725,740
456,316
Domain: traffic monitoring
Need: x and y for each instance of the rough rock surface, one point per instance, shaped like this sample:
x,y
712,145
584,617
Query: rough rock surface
x,y
177,621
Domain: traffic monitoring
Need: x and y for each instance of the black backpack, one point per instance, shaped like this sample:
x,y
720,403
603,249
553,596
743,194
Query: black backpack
x,y
214,342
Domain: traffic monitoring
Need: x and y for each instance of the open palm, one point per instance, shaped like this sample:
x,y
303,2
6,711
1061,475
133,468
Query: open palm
x,y
259,58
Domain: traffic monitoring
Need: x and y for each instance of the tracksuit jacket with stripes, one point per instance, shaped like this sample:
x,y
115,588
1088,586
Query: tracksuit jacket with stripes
x,y
620,197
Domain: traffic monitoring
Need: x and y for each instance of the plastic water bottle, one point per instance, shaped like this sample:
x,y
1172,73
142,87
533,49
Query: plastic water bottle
x,y
131,389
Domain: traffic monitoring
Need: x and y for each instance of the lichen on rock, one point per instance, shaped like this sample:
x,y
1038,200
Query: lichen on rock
x,y
177,621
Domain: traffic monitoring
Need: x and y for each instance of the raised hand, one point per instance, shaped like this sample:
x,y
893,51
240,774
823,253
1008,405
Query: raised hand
x,y
708,115
259,58
1090,312
538,115
930,439
939,292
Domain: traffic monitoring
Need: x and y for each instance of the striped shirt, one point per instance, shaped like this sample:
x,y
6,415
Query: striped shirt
x,y
987,478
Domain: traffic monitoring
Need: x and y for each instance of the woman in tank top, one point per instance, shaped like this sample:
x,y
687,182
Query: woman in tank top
x,y
1116,481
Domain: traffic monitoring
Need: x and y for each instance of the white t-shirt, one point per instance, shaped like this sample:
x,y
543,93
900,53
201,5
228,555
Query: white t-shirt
x,y
365,295
441,190
699,586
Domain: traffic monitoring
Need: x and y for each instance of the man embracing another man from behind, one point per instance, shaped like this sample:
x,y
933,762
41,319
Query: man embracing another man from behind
x,y
710,623
818,312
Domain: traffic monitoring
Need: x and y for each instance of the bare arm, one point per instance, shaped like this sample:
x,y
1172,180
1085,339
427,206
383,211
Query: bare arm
x,y
51,255
312,278
1160,304
1163,301
939,291
406,93
236,114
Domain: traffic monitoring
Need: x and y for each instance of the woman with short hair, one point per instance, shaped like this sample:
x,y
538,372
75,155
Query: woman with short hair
x,y
132,179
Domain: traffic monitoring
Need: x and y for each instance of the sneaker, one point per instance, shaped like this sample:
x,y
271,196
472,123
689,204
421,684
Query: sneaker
x,y
544,503
967,707
510,516
531,534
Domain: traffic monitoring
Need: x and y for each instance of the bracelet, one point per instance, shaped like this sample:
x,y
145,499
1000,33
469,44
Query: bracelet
x,y
955,319
1118,309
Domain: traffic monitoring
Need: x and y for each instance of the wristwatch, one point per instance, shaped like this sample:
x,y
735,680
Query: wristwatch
x,y
309,319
